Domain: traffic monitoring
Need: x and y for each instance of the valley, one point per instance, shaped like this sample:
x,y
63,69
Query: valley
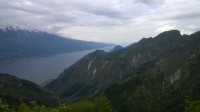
x,y
99,56
154,75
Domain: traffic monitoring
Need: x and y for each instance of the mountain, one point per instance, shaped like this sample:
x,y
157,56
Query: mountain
x,y
19,43
158,91
154,74
116,48
15,91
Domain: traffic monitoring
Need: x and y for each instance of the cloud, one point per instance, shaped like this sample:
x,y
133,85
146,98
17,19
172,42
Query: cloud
x,y
190,15
166,28
150,2
118,21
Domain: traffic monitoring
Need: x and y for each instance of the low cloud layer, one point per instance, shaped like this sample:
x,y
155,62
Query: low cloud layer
x,y
116,21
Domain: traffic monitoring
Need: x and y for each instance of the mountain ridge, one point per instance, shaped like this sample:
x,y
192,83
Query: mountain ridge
x,y
15,91
129,58
159,61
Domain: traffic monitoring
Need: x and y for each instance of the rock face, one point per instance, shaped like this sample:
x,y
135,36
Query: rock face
x,y
15,91
147,70
158,90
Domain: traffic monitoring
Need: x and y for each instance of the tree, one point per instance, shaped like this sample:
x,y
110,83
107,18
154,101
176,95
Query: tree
x,y
24,108
192,106
102,104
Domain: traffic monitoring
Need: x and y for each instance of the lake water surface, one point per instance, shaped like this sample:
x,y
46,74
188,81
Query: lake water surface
x,y
41,69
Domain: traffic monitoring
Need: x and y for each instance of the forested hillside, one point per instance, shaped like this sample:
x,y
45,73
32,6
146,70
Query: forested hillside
x,y
154,74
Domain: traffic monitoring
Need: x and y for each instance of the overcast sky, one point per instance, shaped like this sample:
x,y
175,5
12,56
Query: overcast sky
x,y
114,21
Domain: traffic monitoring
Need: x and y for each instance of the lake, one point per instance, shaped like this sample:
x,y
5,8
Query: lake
x,y
41,69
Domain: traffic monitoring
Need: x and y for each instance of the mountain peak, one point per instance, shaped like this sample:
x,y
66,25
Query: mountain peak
x,y
116,48
196,33
168,37
169,34
98,53
9,28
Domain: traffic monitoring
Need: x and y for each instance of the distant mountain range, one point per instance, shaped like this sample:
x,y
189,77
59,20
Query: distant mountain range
x,y
19,43
152,75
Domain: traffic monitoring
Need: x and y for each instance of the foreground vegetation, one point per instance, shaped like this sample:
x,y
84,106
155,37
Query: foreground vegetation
x,y
99,104
192,106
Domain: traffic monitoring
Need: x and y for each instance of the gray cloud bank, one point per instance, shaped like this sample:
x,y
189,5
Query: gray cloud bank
x,y
118,21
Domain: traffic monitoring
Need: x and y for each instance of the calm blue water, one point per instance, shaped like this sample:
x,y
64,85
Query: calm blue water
x,y
41,69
